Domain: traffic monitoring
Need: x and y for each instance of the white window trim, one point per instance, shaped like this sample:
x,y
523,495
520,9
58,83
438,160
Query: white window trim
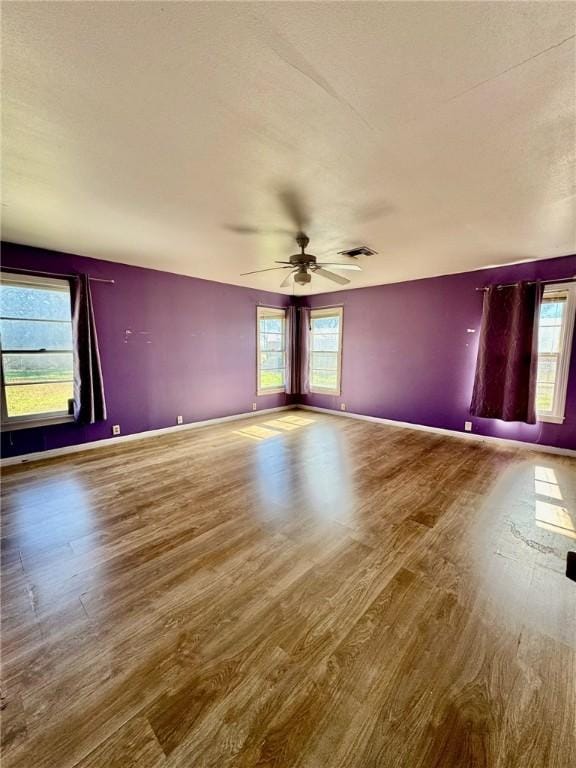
x,y
263,311
328,312
558,415
12,423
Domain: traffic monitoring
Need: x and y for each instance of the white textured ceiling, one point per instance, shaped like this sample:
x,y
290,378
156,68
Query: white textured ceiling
x,y
441,134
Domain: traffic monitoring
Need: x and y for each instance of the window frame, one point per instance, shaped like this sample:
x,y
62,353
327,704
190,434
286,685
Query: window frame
x,y
263,311
558,415
11,423
328,312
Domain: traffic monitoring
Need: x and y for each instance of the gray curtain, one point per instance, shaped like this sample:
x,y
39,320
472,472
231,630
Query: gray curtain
x,y
89,399
297,344
506,368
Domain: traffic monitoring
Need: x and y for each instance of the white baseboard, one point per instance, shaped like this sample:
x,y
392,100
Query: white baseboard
x,y
440,431
52,452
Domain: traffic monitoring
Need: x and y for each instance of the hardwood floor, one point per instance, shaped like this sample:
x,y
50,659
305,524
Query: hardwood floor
x,y
300,591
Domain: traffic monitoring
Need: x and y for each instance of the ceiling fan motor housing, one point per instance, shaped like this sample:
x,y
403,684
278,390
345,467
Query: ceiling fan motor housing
x,y
301,259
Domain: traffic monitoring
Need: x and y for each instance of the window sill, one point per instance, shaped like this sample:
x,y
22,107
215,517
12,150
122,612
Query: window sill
x,y
316,391
30,423
548,419
261,392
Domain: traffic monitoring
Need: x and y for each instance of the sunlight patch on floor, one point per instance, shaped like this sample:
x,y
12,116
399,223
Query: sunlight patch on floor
x,y
550,515
257,433
283,425
545,474
551,490
300,420
274,427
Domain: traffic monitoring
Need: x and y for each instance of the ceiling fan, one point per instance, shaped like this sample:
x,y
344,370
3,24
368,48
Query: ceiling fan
x,y
303,265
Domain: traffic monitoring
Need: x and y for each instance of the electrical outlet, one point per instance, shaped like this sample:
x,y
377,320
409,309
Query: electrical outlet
x,y
342,406
253,406
116,429
467,426
179,419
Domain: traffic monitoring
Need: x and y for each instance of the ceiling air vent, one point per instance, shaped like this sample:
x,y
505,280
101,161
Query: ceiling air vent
x,y
354,253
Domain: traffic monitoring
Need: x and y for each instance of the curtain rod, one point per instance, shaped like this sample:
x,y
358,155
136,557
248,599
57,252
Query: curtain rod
x,y
53,274
531,282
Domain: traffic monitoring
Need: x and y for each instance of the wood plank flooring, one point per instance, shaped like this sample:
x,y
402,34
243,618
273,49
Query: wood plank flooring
x,y
303,591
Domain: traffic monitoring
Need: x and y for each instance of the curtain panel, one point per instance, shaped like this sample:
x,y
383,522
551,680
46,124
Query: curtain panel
x,y
298,344
506,367
89,398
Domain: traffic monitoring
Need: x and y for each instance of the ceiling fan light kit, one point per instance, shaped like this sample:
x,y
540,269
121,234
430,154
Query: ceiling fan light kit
x,y
302,277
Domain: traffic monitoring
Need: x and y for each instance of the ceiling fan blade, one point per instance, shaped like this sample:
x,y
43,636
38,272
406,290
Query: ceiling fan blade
x,y
337,265
331,276
286,282
294,208
290,264
241,229
256,271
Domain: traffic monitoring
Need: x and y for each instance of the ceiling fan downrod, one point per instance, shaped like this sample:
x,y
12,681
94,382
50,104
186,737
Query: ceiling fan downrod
x,y
302,241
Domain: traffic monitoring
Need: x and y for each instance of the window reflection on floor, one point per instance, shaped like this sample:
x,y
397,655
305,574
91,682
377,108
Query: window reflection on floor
x,y
304,479
327,484
46,511
551,515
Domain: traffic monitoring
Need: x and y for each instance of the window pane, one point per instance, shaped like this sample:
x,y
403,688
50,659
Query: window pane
x,y
37,368
544,397
26,400
325,342
271,360
324,379
34,303
273,324
272,342
24,334
271,379
325,360
547,367
549,339
552,309
550,330
326,324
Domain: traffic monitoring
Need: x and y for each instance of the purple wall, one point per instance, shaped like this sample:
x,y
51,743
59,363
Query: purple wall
x,y
192,350
407,353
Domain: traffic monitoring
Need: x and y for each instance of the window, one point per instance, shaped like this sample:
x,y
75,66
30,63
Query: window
x,y
271,342
325,350
36,350
554,346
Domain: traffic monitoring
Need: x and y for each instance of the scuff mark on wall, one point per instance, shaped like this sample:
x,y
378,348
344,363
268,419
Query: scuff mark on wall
x,y
133,337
